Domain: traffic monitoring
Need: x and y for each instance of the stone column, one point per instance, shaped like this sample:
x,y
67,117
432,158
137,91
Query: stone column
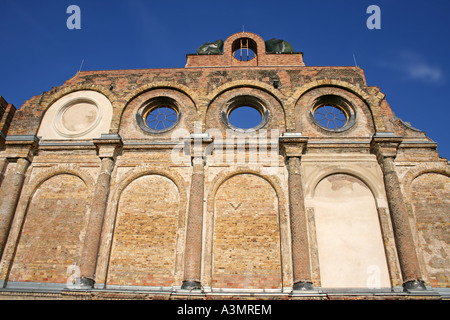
x,y
94,229
386,150
9,198
300,244
108,146
292,145
193,251
3,165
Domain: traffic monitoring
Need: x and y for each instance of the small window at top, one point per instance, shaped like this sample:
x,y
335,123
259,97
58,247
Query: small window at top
x,y
244,49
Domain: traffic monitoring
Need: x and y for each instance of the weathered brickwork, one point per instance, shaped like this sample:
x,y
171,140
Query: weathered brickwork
x,y
145,235
7,112
50,239
430,194
246,235
206,208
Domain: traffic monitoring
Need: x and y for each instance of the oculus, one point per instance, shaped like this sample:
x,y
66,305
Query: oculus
x,y
245,114
158,115
333,113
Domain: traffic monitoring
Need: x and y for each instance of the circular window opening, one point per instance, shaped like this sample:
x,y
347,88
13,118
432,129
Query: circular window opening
x,y
158,115
245,114
333,113
245,117
331,117
161,117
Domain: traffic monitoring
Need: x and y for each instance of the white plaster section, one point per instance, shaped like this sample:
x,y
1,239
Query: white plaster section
x,y
344,192
350,247
80,115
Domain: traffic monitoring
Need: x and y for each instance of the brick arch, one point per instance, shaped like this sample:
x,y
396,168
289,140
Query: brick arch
x,y
143,171
268,226
283,220
260,44
415,172
112,211
58,225
245,83
125,118
221,178
80,87
372,100
215,103
163,85
41,177
426,193
369,179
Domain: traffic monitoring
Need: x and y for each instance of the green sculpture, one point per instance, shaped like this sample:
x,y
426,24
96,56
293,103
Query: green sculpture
x,y
211,47
278,46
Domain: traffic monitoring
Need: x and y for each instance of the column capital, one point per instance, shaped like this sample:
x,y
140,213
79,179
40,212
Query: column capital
x,y
21,146
385,145
108,145
198,144
292,144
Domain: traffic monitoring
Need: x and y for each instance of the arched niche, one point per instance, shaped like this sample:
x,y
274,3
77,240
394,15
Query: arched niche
x,y
54,224
145,233
350,248
246,236
430,199
77,115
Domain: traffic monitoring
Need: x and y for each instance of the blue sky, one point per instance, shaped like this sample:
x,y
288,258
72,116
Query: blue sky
x,y
408,58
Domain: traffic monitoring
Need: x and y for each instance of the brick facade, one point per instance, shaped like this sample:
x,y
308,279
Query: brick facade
x,y
206,209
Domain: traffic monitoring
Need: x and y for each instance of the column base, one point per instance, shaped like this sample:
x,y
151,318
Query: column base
x,y
86,283
303,286
191,285
414,285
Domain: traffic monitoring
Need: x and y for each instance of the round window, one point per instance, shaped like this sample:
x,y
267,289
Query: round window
x,y
245,117
161,117
245,114
158,115
333,113
331,117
